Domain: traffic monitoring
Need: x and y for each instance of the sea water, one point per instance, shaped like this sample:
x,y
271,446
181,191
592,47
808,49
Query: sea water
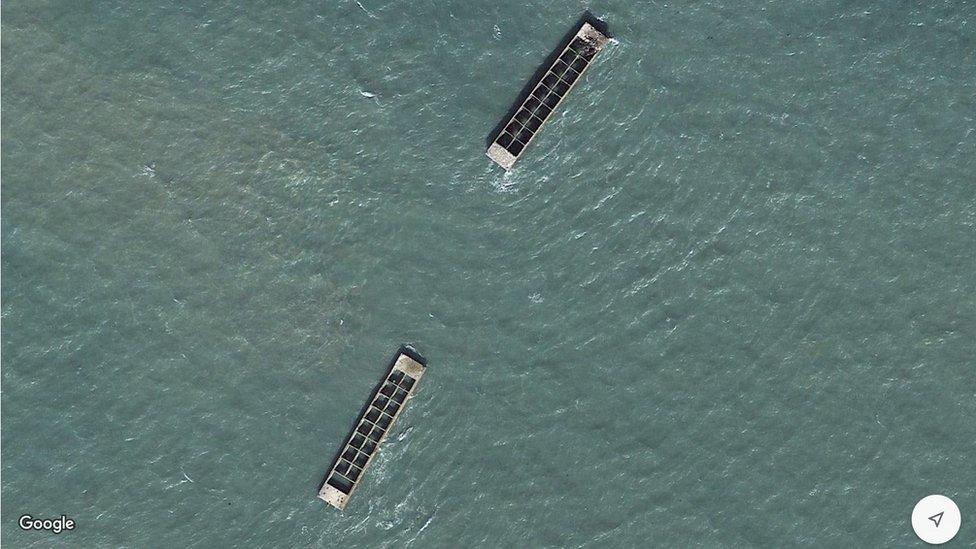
x,y
726,297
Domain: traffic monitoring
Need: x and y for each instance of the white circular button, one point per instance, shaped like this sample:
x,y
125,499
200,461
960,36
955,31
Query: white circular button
x,y
936,519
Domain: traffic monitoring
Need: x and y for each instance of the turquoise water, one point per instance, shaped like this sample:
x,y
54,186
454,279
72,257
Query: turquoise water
x,y
726,298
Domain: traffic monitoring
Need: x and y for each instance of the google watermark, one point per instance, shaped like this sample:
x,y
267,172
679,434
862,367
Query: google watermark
x,y
57,525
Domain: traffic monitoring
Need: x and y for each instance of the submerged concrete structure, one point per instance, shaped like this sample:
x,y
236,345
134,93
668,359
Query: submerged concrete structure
x,y
375,421
548,91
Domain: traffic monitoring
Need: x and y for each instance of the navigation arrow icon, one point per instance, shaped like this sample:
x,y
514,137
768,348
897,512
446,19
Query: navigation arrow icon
x,y
937,518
